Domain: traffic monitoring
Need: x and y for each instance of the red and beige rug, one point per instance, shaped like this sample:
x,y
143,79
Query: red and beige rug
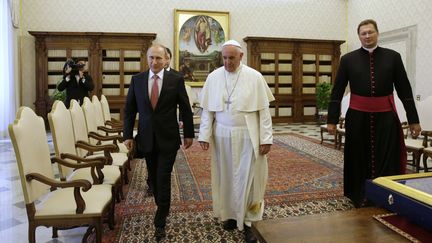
x,y
304,178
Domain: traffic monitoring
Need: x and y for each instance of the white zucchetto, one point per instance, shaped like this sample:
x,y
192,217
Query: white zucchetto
x,y
231,43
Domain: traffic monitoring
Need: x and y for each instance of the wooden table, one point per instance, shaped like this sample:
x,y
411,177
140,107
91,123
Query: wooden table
x,y
355,225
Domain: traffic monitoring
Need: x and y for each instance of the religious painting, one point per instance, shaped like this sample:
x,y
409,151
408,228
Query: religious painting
x,y
198,39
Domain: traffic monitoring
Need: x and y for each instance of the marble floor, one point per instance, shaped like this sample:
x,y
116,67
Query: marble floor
x,y
13,217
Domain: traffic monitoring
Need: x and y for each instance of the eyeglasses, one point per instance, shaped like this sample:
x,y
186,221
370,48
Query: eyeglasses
x,y
365,33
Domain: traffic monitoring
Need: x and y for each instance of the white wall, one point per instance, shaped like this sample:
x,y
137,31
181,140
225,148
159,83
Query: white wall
x,y
274,18
393,15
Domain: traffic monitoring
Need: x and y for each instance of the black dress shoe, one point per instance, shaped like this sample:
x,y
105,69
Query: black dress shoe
x,y
230,224
159,233
249,235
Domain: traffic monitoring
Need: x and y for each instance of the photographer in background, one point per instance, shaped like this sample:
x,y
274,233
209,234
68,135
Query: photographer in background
x,y
76,81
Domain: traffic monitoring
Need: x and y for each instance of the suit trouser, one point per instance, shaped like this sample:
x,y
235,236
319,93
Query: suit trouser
x,y
159,167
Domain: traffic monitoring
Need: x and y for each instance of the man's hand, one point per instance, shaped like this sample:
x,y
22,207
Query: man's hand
x,y
129,143
187,142
415,130
68,70
331,128
204,145
264,148
81,73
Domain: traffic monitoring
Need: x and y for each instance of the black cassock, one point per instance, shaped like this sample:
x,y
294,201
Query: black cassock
x,y
372,139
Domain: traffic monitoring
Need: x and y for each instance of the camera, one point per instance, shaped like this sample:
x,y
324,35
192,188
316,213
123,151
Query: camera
x,y
74,64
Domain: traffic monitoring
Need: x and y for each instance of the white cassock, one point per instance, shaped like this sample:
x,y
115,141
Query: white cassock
x,y
235,121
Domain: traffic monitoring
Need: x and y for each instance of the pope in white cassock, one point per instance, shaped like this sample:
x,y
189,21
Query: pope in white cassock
x,y
236,124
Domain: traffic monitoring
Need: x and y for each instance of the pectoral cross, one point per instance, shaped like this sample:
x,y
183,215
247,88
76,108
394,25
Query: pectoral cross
x,y
228,102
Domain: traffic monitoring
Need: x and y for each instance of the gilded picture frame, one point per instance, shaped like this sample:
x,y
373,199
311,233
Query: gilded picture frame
x,y
198,39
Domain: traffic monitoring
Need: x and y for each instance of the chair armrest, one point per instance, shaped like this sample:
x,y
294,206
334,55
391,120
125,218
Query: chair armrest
x,y
110,130
97,161
76,184
116,121
99,137
426,135
106,148
95,165
95,148
114,124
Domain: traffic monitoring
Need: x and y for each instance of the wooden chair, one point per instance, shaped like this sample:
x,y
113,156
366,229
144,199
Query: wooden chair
x,y
101,126
60,122
427,151
109,120
49,202
193,103
323,129
84,131
415,146
418,146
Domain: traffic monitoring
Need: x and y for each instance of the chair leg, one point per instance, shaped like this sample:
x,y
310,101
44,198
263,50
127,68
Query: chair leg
x,y
98,229
31,233
129,161
87,233
416,160
335,140
125,174
322,136
111,216
425,157
54,232
115,190
121,192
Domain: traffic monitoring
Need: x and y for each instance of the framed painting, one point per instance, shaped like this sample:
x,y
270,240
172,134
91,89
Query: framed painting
x,y
198,39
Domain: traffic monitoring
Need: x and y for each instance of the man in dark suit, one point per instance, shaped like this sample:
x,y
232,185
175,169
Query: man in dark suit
x,y
167,66
168,62
155,94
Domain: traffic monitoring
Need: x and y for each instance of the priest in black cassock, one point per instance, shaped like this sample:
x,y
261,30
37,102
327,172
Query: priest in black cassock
x,y
374,143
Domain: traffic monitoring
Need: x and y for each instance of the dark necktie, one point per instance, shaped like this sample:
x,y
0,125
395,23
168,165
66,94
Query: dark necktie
x,y
154,92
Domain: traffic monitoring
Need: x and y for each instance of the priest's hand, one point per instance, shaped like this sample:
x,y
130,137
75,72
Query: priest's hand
x,y
187,142
264,148
204,145
129,143
331,128
415,130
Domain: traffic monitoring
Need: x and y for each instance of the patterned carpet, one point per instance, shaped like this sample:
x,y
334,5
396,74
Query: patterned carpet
x,y
304,178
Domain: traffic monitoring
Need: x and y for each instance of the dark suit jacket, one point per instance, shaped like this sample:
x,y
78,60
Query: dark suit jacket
x,y
172,70
160,123
175,72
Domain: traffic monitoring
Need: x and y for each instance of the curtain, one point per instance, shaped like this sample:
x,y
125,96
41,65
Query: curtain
x,y
7,80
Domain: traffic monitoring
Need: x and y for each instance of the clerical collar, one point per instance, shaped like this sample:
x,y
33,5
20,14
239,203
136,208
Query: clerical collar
x,y
370,50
